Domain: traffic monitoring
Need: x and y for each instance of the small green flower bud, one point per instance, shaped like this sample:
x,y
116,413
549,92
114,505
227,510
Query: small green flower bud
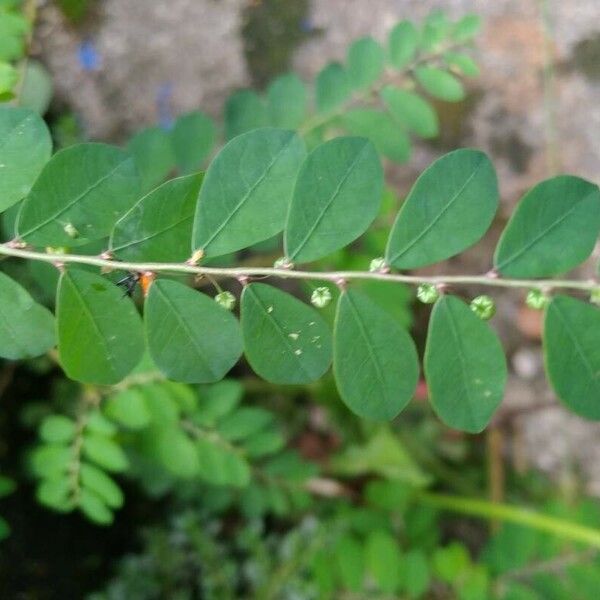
x,y
70,230
536,299
226,300
428,293
484,307
321,297
283,263
377,264
595,296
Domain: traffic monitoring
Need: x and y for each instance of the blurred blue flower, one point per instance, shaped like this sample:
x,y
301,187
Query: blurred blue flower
x,y
89,57
163,105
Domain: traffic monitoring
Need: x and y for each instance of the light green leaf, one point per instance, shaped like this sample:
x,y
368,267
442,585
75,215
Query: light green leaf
x,y
462,64
366,60
159,227
467,28
411,111
57,429
128,408
349,559
435,30
51,461
105,452
153,154
26,328
449,208
102,485
264,443
100,337
375,361
287,101
9,77
218,400
193,138
94,508
80,194
285,340
553,229
56,494
247,190
440,84
220,464
244,111
464,365
337,196
403,42
175,450
191,338
572,354
416,569
36,89
332,87
389,137
383,560
25,147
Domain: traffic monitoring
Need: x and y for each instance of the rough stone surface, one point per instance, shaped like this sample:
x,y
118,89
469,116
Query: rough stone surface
x,y
530,125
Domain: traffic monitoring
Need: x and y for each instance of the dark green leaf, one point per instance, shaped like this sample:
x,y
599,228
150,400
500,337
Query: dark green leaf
x,y
332,87
153,154
193,138
191,338
411,111
366,60
80,194
440,84
375,361
572,352
159,227
244,111
243,423
464,365
337,196
553,229
449,208
25,147
100,336
287,101
285,340
26,328
247,190
403,41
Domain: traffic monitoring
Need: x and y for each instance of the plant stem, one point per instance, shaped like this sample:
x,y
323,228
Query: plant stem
x,y
513,514
330,276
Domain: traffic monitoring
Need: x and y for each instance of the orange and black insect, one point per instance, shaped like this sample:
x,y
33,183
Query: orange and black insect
x,y
131,280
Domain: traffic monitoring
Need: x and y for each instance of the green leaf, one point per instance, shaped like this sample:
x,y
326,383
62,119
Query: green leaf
x,y
383,560
247,190
159,227
105,452
102,485
80,194
285,340
264,443
9,77
57,429
337,196
26,328
451,562
94,509
572,354
553,229
389,137
193,138
435,30
244,111
464,365
375,361
287,101
350,561
243,423
440,84
366,60
467,28
450,207
100,336
218,400
462,64
411,111
153,154
403,42
416,569
56,494
51,461
25,148
128,408
191,338
36,89
332,87
175,451
221,464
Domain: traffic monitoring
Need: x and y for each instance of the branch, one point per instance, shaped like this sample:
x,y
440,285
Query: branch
x,y
335,277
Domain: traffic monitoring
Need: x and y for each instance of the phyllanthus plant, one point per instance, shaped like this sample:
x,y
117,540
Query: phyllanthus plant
x,y
86,210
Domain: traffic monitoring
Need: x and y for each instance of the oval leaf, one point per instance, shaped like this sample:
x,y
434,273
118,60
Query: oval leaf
x,y
285,340
572,353
464,365
440,84
244,111
100,336
553,229
191,338
449,208
404,39
159,227
411,111
79,196
25,147
193,137
332,87
26,328
337,196
287,101
375,361
247,190
366,60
